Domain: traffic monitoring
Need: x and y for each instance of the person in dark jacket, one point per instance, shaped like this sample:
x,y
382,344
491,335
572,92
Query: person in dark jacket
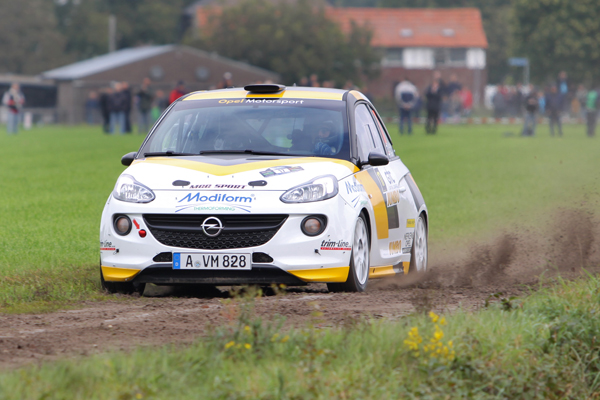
x,y
531,108
118,105
127,105
104,101
554,106
433,95
143,99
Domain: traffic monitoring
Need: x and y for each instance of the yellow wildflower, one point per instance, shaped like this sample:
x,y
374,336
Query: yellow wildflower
x,y
248,346
230,344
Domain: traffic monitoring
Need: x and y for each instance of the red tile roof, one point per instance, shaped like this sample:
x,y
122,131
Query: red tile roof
x,y
416,27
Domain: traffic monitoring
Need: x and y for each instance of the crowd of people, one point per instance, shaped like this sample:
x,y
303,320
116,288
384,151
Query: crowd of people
x,y
440,99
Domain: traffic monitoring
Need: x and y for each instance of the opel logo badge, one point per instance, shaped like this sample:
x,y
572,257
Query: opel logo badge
x,y
212,226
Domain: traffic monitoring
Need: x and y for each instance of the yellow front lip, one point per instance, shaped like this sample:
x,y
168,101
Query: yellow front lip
x,y
339,274
112,274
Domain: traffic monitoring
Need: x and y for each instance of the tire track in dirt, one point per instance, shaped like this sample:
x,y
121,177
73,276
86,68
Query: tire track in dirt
x,y
461,278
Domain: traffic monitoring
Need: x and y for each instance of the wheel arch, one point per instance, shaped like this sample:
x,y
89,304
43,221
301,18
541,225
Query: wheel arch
x,y
367,217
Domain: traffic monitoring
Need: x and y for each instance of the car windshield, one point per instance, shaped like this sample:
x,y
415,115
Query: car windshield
x,y
260,126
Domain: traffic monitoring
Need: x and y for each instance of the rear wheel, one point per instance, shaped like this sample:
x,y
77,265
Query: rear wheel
x,y
358,276
418,253
121,287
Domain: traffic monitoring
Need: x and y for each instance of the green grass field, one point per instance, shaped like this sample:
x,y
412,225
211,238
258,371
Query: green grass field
x,y
475,180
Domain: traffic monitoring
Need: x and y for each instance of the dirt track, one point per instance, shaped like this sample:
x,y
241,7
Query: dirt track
x,y
457,278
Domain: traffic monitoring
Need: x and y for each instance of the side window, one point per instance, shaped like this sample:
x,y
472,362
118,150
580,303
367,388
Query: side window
x,y
389,148
367,133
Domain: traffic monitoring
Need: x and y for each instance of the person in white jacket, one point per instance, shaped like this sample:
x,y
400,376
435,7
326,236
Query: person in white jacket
x,y
406,96
14,100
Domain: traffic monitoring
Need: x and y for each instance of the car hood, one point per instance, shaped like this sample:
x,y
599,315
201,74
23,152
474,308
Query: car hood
x,y
234,172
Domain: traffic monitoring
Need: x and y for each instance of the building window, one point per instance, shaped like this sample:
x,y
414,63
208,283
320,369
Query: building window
x,y
393,57
451,57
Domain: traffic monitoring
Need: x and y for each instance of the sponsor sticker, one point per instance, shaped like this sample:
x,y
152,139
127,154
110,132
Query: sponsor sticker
x,y
107,246
389,177
410,223
215,202
408,239
261,101
354,187
335,245
392,197
280,171
395,247
217,186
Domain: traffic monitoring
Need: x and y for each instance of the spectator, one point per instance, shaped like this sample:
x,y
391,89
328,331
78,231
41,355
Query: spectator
x,y
591,108
466,97
562,85
581,96
127,99
542,102
531,107
314,81
433,96
406,95
144,105
159,105
499,102
92,105
14,100
117,109
554,107
105,104
453,86
227,81
177,92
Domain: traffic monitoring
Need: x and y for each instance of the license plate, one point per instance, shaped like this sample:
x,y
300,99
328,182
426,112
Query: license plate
x,y
212,261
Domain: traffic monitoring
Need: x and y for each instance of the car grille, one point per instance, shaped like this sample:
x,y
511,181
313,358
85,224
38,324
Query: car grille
x,y
239,231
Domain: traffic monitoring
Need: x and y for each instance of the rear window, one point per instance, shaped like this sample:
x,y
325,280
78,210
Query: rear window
x,y
279,126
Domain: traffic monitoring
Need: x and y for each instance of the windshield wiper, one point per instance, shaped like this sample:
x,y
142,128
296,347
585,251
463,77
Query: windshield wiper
x,y
168,154
254,152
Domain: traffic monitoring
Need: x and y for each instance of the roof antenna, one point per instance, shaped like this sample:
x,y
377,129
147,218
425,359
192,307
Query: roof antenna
x,y
294,84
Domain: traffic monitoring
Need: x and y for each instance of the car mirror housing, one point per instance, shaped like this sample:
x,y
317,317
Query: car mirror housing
x,y
128,158
375,160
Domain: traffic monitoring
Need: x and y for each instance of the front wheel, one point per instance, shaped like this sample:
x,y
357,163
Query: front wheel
x,y
418,253
358,276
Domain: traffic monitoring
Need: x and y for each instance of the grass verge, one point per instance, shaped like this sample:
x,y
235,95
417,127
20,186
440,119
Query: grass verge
x,y
544,346
55,181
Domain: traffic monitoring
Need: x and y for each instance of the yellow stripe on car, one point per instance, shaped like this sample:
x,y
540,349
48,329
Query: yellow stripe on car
x,y
286,94
222,170
381,272
378,203
113,274
339,274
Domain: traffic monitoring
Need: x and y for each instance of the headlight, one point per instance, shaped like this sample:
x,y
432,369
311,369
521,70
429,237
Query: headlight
x,y
321,188
130,190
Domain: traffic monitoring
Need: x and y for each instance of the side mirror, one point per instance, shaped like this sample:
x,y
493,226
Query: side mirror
x,y
375,160
128,158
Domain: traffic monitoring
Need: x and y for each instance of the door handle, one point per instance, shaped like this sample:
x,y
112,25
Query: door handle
x,y
402,189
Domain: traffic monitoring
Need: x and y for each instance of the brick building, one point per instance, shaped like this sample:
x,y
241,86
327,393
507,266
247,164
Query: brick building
x,y
164,65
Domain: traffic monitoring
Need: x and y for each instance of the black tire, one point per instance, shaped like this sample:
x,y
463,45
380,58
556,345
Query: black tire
x,y
420,247
358,276
121,287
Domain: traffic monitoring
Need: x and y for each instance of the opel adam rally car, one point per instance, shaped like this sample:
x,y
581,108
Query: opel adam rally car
x,y
261,185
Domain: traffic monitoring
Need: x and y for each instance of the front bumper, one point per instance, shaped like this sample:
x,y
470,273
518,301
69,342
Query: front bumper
x,y
296,257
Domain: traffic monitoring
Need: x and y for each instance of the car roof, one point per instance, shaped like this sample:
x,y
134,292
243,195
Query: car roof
x,y
292,92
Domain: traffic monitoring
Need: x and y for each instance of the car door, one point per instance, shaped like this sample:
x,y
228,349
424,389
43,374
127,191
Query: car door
x,y
398,178
384,186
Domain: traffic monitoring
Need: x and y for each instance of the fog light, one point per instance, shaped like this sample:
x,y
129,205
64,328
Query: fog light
x,y
313,225
122,225
142,233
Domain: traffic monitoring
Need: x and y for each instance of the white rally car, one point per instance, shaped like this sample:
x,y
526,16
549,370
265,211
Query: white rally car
x,y
262,185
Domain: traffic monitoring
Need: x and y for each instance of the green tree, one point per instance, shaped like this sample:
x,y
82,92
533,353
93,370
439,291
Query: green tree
x,y
29,40
139,22
559,35
293,39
